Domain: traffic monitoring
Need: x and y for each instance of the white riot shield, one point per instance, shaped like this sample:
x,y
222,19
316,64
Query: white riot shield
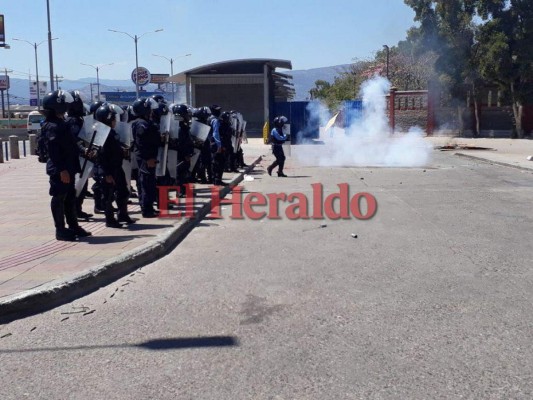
x,y
194,158
124,132
287,143
80,179
234,132
86,132
244,137
96,140
172,158
162,153
100,132
199,133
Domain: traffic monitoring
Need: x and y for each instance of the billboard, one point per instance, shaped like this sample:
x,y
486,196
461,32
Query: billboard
x,y
2,30
4,82
159,78
33,91
125,97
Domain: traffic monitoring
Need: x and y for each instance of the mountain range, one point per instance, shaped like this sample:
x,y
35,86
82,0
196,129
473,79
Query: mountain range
x,y
303,81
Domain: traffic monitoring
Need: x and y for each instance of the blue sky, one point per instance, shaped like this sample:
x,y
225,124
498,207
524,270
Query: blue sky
x,y
310,33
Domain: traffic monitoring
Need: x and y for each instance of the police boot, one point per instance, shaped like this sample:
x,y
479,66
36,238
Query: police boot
x,y
65,234
80,232
123,216
111,222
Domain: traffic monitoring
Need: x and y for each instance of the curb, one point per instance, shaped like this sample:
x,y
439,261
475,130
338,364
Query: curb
x,y
63,291
486,160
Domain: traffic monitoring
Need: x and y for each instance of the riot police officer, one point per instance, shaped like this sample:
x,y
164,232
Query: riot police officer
x,y
184,144
76,112
226,133
217,146
205,164
278,138
62,165
147,141
110,170
99,206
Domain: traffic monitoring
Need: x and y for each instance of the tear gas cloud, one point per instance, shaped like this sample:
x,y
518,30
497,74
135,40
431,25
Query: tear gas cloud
x,y
367,141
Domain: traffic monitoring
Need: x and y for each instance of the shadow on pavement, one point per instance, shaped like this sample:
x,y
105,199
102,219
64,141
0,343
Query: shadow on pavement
x,y
139,227
110,239
155,344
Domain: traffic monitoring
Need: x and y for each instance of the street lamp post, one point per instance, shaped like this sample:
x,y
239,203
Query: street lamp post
x,y
388,50
97,68
50,57
135,39
171,68
35,45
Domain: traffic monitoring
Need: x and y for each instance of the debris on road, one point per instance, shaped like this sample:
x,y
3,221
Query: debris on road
x,y
89,312
6,335
462,147
354,235
530,158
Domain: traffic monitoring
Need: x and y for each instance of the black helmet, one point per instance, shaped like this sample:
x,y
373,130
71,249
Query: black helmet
x,y
182,112
76,108
57,101
202,113
95,106
159,98
226,117
215,110
143,107
129,115
280,121
107,113
162,109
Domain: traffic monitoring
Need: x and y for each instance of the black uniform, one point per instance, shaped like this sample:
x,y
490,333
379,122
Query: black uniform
x,y
74,125
217,151
185,151
110,164
204,166
147,142
63,156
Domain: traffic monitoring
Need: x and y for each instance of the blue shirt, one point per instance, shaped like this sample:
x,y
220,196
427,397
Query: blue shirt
x,y
215,124
278,137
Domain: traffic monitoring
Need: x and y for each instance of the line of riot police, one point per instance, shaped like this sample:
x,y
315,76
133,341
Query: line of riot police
x,y
148,141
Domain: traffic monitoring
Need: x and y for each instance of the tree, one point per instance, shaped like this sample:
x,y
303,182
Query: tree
x,y
447,28
506,51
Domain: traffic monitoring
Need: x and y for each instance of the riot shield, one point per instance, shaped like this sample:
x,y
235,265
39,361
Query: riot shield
x,y
96,140
86,132
162,154
81,178
172,158
234,132
287,143
123,129
199,134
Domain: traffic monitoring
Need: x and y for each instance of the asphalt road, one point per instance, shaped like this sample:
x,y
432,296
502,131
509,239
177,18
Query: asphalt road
x,y
431,300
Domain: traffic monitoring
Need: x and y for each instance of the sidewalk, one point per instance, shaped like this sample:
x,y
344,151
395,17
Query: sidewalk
x,y
38,272
507,152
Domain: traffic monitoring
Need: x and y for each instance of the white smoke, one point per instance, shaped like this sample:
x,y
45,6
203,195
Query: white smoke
x,y
368,141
